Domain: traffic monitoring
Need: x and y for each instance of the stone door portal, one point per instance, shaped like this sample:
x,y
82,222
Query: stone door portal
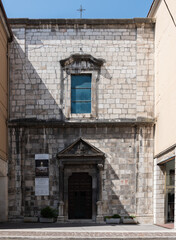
x,y
80,196
80,182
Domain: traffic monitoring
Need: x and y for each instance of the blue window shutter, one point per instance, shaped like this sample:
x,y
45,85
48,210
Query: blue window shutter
x,y
81,93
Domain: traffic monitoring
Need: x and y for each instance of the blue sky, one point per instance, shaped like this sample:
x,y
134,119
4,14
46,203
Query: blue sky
x,y
68,8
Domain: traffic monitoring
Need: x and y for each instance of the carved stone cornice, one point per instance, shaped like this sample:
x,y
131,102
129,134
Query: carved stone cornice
x,y
88,61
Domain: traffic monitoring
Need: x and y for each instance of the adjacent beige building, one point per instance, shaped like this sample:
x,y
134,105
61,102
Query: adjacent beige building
x,y
165,104
5,37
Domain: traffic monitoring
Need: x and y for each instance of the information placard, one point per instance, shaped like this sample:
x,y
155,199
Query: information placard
x,y
41,186
42,165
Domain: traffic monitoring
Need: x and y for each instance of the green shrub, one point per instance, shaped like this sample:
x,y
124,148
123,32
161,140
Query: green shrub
x,y
113,216
131,217
49,212
116,216
107,217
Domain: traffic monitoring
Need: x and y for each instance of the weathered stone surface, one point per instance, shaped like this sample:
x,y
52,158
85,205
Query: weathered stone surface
x,y
127,175
123,88
122,91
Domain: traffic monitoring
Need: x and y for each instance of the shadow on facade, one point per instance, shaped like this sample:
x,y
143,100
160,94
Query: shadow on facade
x,y
33,100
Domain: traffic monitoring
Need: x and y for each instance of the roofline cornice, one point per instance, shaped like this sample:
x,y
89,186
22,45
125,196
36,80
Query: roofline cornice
x,y
79,23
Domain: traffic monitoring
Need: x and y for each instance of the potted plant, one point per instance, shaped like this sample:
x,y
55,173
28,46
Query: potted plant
x,y
115,219
130,219
48,214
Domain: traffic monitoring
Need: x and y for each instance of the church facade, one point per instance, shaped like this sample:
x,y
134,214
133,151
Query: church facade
x,y
81,118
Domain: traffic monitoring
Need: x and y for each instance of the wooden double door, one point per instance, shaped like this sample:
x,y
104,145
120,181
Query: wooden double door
x,y
80,196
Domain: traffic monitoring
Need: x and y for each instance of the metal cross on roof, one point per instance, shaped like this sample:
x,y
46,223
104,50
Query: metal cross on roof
x,y
81,10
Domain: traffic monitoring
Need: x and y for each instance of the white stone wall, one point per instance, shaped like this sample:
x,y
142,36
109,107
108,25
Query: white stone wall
x,y
125,87
159,194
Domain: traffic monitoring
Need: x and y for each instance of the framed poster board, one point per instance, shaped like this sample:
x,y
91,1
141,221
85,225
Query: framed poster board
x,y
42,165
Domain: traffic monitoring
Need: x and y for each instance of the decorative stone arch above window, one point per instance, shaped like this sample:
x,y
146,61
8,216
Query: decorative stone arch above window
x,y
82,62
77,65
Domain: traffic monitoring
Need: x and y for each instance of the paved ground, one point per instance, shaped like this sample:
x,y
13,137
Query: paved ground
x,y
9,231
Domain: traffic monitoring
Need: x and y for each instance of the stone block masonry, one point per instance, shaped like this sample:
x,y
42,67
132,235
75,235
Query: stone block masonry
x,y
125,85
127,175
119,56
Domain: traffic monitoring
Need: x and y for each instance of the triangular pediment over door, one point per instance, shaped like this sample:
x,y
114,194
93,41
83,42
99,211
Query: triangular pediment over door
x,y
81,150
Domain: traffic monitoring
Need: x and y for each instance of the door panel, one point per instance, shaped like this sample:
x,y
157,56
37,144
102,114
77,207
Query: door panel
x,y
80,196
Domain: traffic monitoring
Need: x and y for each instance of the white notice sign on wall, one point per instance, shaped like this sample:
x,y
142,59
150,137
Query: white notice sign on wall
x,y
41,186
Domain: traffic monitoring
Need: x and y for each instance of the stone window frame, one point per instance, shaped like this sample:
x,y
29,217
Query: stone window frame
x,y
93,96
79,64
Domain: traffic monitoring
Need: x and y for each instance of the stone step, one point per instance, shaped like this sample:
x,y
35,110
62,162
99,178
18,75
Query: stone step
x,y
47,235
70,231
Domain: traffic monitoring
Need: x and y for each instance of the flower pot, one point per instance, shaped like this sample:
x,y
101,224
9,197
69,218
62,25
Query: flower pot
x,y
46,220
130,220
112,220
30,219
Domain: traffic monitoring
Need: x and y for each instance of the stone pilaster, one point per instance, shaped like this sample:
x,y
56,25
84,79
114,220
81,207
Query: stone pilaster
x,y
61,193
99,217
155,191
159,194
